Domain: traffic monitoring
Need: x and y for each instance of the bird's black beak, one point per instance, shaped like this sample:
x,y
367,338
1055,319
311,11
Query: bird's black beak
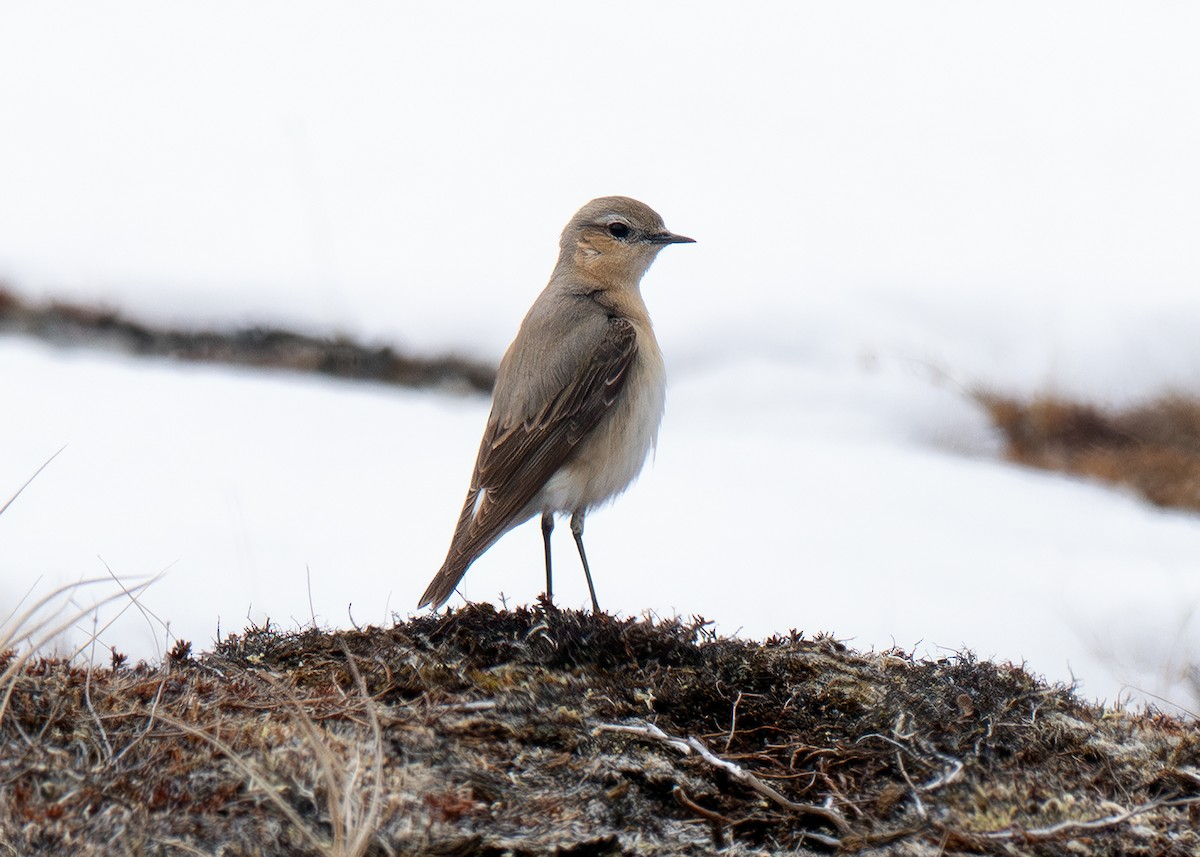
x,y
668,238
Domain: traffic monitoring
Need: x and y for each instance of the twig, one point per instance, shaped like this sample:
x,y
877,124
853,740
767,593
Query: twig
x,y
540,628
718,821
746,778
827,841
945,778
472,705
1091,824
732,722
1190,773
648,730
916,793
183,846
681,797
736,771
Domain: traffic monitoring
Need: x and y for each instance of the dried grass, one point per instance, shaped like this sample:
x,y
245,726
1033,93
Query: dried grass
x,y
1153,448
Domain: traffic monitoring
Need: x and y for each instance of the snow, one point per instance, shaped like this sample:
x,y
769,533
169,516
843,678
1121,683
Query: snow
x,y
894,205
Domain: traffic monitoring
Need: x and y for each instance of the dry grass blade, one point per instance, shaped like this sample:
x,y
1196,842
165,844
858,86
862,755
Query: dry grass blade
x,y
354,826
149,615
26,634
365,824
10,500
255,776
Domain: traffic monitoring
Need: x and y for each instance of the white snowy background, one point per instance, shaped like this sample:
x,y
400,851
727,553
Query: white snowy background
x,y
894,203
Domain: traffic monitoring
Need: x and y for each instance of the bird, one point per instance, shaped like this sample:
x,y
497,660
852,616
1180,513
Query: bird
x,y
578,397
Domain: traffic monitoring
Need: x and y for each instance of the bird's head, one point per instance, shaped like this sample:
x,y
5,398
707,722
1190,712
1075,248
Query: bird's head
x,y
615,239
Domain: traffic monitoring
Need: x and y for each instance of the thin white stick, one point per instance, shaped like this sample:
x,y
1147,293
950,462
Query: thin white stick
x,y
649,730
745,777
1091,824
916,794
739,773
733,722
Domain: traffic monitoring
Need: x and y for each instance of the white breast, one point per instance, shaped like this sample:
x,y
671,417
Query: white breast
x,y
611,457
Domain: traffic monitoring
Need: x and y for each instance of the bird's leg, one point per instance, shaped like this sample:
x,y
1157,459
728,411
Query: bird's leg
x,y
547,529
577,530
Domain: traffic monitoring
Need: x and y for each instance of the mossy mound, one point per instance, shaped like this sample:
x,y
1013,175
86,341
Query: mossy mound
x,y
533,731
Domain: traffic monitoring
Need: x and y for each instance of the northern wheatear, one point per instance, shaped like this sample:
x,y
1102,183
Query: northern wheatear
x,y
579,394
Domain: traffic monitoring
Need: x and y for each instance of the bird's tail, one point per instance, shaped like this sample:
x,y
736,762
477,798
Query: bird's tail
x,y
442,586
469,542
458,558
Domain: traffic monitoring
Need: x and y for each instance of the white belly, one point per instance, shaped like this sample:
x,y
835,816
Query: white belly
x,y
610,458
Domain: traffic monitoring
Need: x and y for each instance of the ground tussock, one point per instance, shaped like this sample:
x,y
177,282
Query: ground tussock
x,y
1153,448
531,732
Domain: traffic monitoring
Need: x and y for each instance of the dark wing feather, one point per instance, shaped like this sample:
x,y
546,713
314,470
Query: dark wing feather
x,y
516,461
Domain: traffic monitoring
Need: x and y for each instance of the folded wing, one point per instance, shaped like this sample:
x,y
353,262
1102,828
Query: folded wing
x,y
515,461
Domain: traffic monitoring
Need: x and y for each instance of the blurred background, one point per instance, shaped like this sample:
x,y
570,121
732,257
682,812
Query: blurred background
x,y
897,208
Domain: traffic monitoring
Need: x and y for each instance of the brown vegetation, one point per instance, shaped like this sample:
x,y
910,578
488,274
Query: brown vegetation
x,y
1153,448
263,347
533,731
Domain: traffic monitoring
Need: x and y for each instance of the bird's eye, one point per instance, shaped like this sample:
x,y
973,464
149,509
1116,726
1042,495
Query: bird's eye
x,y
618,230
